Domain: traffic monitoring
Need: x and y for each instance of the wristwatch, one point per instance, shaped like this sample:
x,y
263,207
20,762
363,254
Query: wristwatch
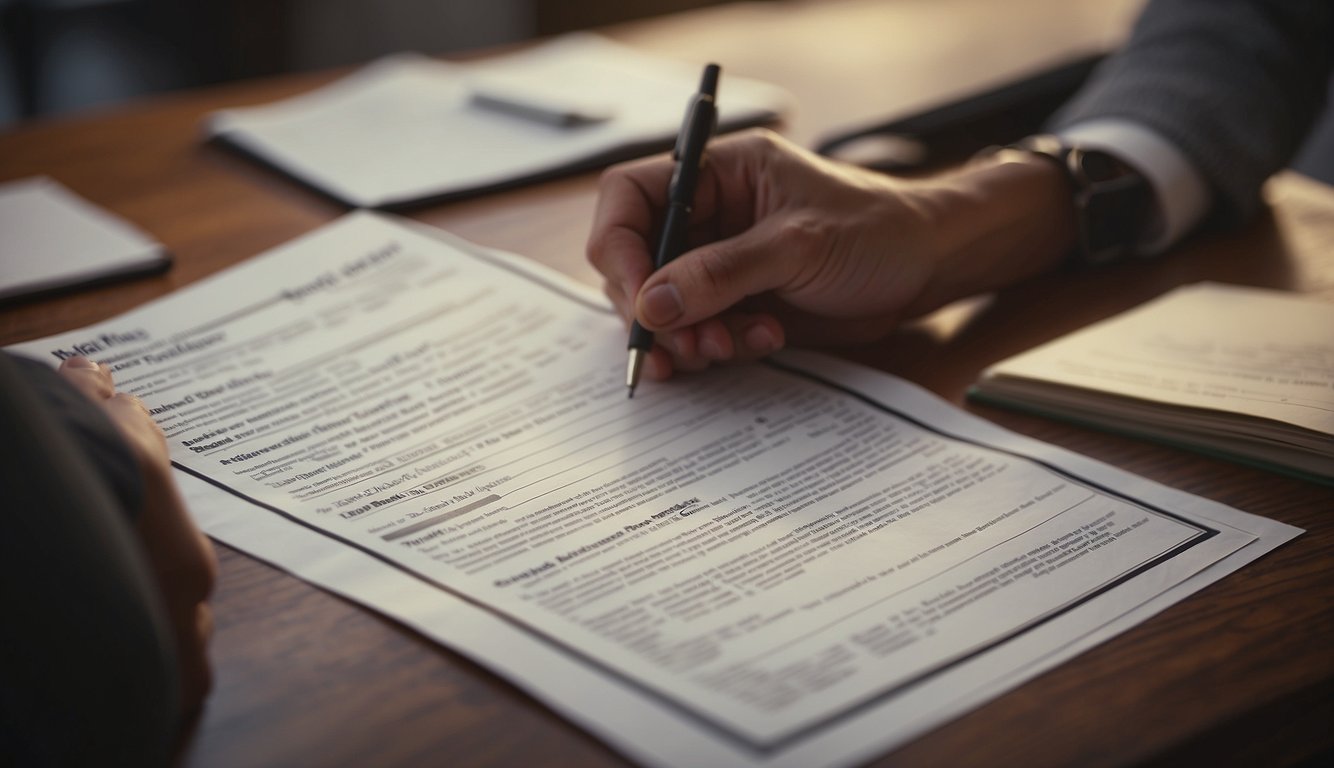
x,y
1112,200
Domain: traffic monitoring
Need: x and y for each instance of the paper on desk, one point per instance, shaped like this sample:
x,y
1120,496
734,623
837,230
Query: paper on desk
x,y
799,564
1221,347
407,128
55,239
1236,369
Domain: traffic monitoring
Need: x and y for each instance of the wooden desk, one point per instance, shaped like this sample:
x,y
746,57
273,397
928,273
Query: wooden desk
x,y
1242,672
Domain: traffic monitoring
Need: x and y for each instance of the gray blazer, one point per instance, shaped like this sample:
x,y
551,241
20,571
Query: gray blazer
x,y
1235,84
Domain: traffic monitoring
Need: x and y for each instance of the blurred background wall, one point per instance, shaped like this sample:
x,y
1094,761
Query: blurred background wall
x,y
61,56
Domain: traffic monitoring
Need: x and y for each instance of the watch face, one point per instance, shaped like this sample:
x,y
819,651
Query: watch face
x,y
1100,166
1112,200
1117,209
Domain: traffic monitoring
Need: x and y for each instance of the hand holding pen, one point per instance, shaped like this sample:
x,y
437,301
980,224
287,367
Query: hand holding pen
x,y
786,247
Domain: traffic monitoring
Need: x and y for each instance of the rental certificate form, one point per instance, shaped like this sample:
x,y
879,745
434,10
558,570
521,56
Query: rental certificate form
x,y
790,563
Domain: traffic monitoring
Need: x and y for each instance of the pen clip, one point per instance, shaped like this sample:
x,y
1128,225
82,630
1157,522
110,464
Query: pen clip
x,y
698,103
702,104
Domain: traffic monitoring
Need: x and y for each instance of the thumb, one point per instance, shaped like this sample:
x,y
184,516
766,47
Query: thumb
x,y
706,281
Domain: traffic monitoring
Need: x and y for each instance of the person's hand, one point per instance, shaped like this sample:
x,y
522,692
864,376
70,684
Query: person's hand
x,y
789,247
181,559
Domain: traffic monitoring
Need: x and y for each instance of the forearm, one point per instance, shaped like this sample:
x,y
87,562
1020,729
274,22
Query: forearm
x,y
999,220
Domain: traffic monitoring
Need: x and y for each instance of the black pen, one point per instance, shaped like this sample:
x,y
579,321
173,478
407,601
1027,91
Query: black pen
x,y
700,121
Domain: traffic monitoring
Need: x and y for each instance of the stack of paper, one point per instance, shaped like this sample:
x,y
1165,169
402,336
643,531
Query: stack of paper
x,y
409,128
54,239
1241,372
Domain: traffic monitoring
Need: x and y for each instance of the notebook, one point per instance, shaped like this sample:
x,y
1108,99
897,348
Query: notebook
x,y
409,128
1239,372
55,240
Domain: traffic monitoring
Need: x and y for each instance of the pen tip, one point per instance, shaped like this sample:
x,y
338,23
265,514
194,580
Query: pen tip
x,y
630,393
632,371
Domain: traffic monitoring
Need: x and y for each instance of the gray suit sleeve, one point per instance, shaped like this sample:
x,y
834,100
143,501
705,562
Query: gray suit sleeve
x,y
1235,84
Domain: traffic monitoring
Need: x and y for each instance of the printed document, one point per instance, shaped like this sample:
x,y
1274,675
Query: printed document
x,y
797,563
407,127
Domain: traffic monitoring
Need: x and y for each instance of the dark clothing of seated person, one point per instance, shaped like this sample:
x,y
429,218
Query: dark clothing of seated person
x,y
105,576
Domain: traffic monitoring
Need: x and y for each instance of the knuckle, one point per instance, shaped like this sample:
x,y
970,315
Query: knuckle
x,y
103,388
803,232
208,571
619,301
596,251
761,139
194,572
717,272
606,250
764,146
197,578
611,176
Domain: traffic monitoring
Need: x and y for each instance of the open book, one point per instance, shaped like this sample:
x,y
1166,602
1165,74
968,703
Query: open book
x,y
409,128
1243,373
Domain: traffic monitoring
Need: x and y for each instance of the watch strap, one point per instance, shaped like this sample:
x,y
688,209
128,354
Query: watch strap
x,y
1112,200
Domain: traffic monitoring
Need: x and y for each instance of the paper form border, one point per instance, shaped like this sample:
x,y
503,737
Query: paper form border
x,y
769,747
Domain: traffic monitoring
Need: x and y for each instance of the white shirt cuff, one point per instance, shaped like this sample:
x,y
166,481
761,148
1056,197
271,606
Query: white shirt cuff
x,y
1181,198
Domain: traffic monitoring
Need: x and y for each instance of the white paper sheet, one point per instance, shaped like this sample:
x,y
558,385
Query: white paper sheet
x,y
56,239
802,563
406,128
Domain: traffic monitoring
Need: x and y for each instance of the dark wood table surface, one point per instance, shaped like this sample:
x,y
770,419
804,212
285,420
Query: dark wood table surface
x,y
1240,673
